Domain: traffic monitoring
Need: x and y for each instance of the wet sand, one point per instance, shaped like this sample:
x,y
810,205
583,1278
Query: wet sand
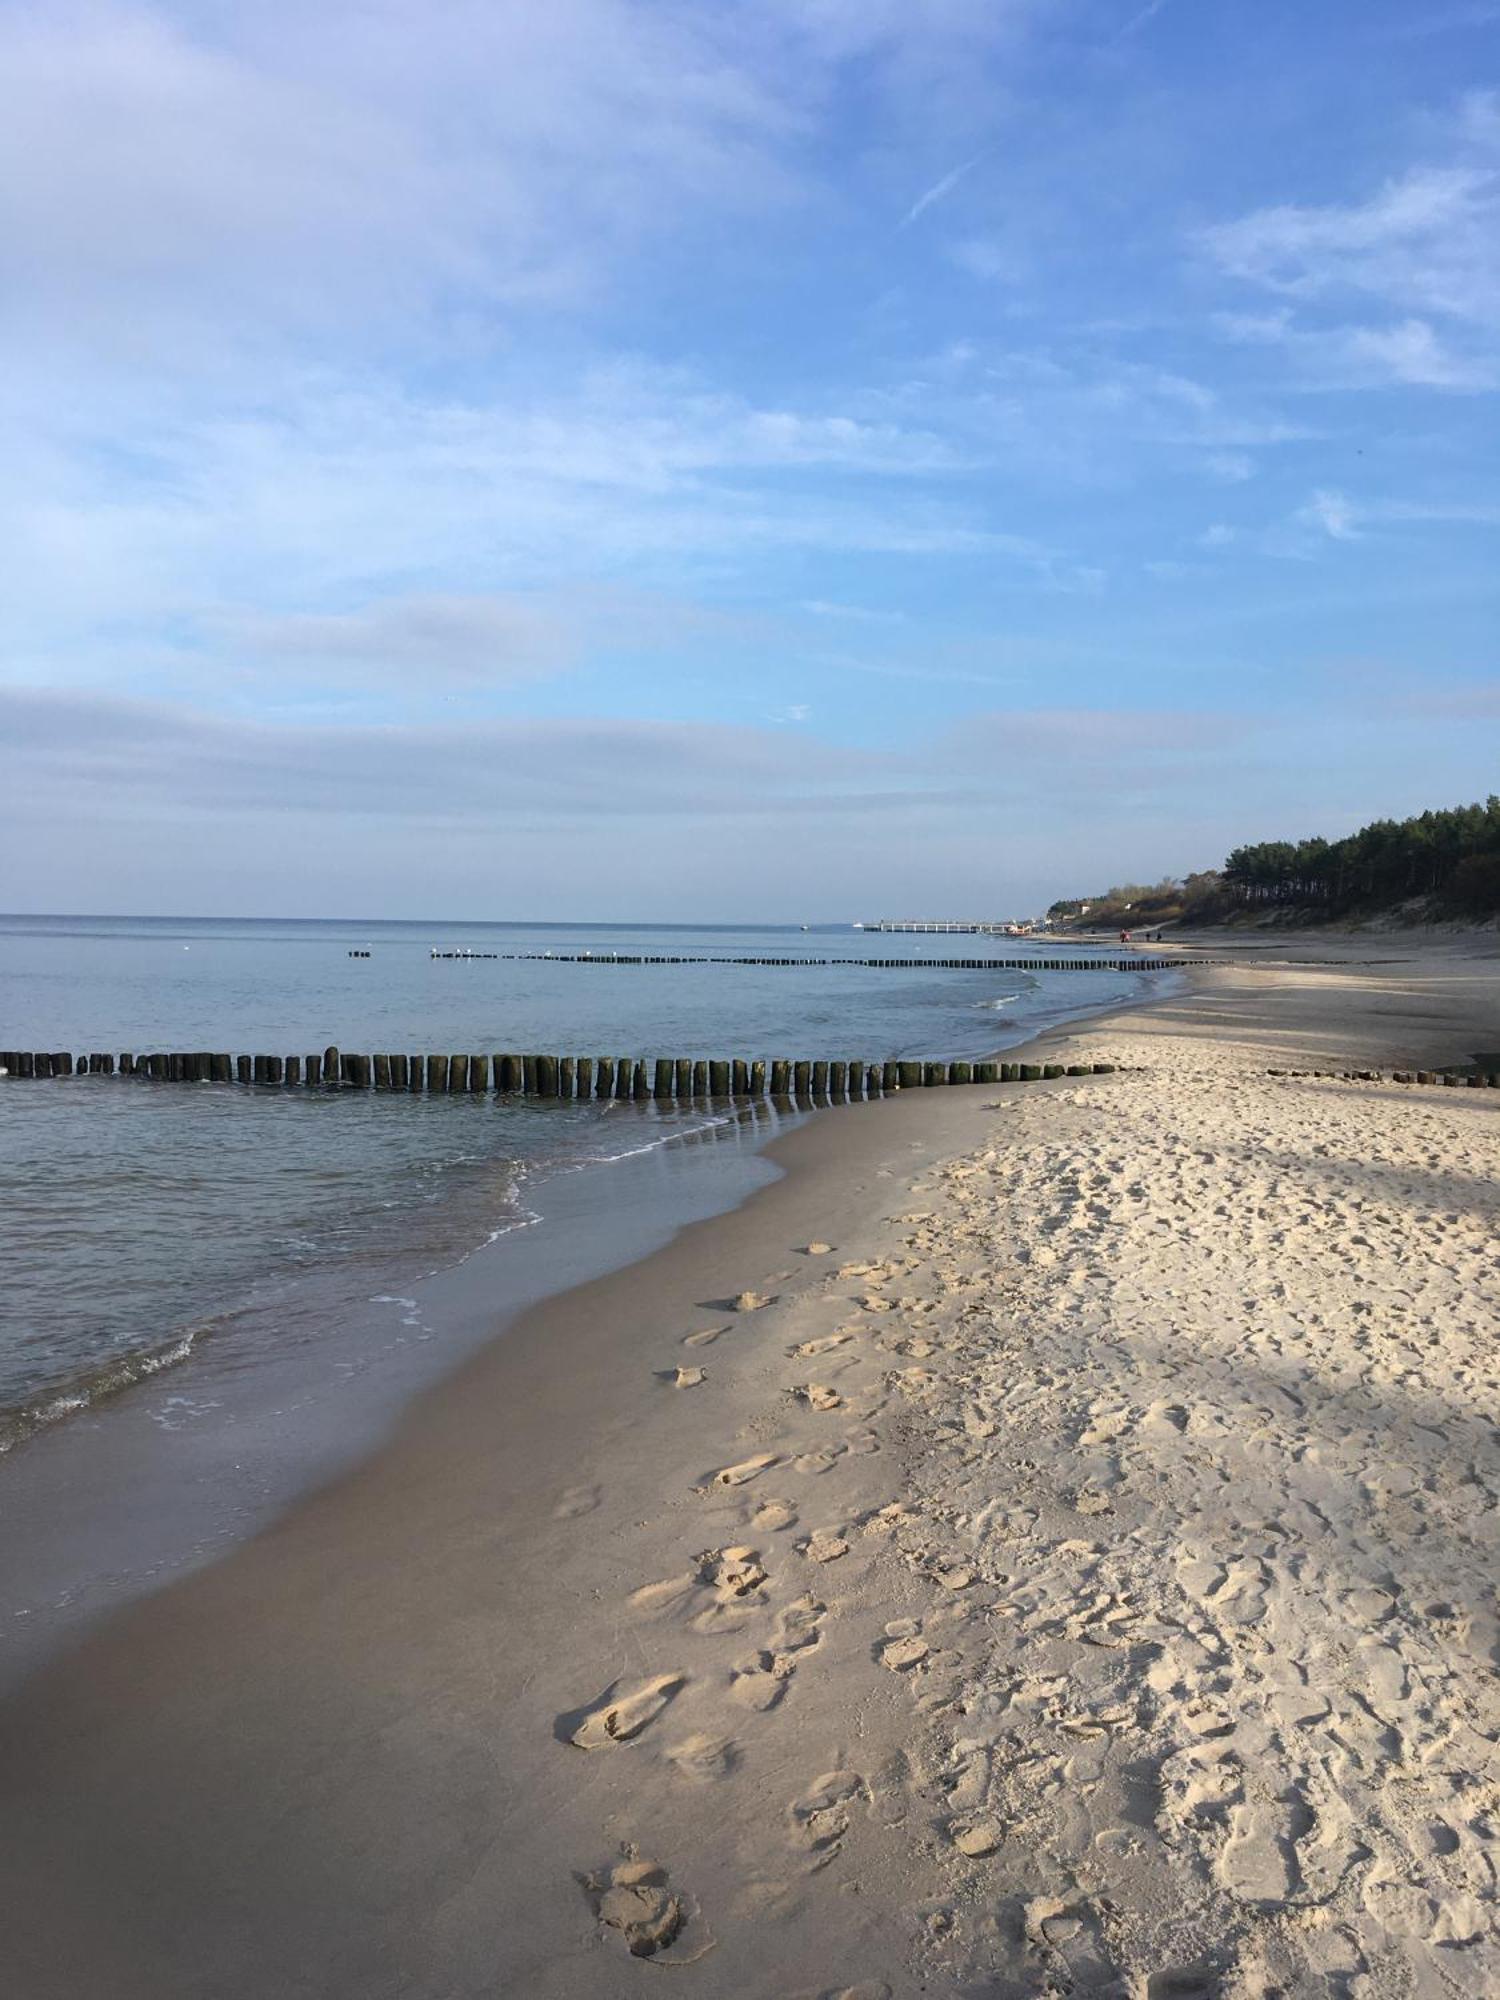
x,y
1043,1543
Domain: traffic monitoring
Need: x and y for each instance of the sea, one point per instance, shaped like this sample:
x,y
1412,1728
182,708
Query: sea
x,y
215,1296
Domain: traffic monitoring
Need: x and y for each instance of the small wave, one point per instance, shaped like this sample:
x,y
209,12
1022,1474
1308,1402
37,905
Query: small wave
x,y
1001,1000
95,1385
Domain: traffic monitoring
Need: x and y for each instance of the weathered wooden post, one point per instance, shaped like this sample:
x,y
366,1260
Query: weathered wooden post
x,y
242,1068
1102,1069
1029,1073
624,1078
890,1076
757,1079
801,1079
312,1071
332,1066
700,1079
397,1071
382,1072
604,1075
585,1070
781,1079
838,1078
960,1072
662,1083
640,1087
293,1069
682,1077
273,1069
986,1072
820,1079
739,1078
546,1076
856,1074
909,1075
718,1079
437,1074
25,1063
1051,1070
567,1077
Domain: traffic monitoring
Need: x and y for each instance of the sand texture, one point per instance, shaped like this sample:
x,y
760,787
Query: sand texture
x,y
1069,1568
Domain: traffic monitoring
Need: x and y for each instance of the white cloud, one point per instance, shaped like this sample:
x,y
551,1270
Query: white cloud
x,y
1333,513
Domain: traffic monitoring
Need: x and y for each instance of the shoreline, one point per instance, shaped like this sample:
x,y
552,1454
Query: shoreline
x,y
345,1774
104,1514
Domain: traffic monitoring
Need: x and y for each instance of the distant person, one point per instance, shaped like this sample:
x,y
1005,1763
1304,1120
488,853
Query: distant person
x,y
1124,937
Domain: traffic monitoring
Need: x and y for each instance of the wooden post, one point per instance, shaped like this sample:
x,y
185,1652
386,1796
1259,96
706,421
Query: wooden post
x,y
312,1071
624,1078
398,1072
567,1077
986,1072
332,1066
25,1063
820,1079
437,1073
890,1076
273,1069
739,1081
1029,1073
718,1079
757,1079
585,1070
856,1079
528,1076
801,1079
682,1081
242,1068
1078,1069
662,1086
1103,1069
1051,1070
127,1063
546,1076
960,1072
781,1079
294,1069
838,1078
700,1079
604,1072
640,1086
107,1063
382,1072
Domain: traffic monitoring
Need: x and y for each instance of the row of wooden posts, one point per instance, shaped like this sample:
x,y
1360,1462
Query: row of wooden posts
x,y
1474,1079
548,1076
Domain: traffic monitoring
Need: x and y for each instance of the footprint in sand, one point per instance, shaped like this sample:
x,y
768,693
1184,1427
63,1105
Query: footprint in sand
x,y
818,1396
685,1378
1258,1863
772,1515
636,1900
749,1302
822,1816
826,1545
576,1500
702,1339
746,1470
761,1681
1073,1932
824,1344
617,1717
703,1760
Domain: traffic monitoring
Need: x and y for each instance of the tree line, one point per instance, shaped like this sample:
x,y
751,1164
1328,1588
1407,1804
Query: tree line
x,y
1448,859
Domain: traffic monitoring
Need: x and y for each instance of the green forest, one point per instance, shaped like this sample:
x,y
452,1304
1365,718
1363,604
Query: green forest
x,y
1445,862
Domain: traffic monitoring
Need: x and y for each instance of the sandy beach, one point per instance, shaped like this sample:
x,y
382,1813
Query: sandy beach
x,y
1043,1544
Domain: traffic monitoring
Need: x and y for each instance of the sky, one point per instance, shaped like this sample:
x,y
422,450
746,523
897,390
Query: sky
x,y
746,460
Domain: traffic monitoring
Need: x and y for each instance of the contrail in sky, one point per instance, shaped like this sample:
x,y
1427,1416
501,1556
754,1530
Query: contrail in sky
x,y
1148,13
938,191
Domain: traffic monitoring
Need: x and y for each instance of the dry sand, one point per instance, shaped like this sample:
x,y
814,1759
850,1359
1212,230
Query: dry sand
x,y
1044,1544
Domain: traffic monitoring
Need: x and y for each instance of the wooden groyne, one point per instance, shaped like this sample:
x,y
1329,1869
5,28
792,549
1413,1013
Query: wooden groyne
x,y
1133,964
569,1077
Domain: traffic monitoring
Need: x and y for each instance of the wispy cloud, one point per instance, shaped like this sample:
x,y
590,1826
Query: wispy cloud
x,y
939,191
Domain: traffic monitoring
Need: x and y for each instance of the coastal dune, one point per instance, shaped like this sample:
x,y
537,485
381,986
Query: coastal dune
x,y
1045,1543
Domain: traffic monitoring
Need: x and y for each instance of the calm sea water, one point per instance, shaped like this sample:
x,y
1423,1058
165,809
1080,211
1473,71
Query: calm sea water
x,y
144,1221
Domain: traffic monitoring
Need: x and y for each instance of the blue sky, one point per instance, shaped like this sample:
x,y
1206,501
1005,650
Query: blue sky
x,y
804,459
